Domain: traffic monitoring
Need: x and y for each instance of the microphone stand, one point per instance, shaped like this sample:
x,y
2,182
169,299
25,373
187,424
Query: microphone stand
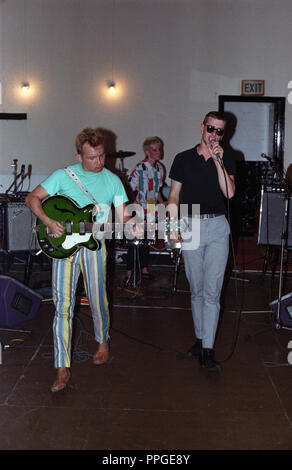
x,y
16,176
285,230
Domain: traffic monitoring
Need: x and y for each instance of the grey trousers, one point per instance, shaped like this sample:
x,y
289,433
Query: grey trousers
x,y
205,269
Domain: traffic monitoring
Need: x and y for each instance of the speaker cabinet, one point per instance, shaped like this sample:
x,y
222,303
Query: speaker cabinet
x,y
250,177
272,212
18,223
17,302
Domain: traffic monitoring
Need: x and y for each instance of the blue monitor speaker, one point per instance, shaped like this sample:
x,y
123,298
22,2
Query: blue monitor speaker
x,y
18,302
285,310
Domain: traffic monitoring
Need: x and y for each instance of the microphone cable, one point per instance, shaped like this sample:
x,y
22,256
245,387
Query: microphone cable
x,y
238,319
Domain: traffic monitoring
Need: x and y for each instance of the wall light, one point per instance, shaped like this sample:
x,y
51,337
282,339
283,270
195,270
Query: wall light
x,y
25,87
111,90
111,86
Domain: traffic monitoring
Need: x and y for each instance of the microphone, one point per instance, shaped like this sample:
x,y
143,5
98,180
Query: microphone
x,y
212,142
21,173
263,155
24,175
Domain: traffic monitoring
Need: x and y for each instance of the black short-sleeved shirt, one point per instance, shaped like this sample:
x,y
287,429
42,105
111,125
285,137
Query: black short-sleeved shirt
x,y
199,180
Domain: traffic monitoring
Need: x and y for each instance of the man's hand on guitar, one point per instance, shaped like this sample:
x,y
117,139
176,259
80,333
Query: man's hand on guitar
x,y
56,228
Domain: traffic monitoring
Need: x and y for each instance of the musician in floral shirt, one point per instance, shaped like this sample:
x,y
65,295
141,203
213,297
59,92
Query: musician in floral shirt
x,y
146,180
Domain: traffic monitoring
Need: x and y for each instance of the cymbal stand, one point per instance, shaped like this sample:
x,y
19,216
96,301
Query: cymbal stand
x,y
134,286
136,257
177,261
122,168
177,258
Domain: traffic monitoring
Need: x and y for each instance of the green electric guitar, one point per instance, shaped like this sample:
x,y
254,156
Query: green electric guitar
x,y
78,223
80,229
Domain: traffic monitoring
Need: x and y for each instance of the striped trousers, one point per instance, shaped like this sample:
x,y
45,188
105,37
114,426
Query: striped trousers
x,y
65,274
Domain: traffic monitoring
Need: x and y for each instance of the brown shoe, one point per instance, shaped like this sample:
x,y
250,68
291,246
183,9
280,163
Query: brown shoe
x,y
63,377
100,357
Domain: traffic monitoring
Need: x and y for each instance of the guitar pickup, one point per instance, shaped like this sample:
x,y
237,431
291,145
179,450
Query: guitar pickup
x,y
82,229
68,227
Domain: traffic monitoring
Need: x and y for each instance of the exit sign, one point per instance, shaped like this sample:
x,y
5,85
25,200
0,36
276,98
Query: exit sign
x,y
252,87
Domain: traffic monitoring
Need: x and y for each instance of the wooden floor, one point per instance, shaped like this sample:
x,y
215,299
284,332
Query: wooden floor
x,y
151,395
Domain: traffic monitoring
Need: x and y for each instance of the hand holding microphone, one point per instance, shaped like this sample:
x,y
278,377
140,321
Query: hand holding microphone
x,y
217,150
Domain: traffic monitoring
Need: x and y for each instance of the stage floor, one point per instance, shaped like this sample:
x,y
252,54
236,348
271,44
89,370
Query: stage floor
x,y
151,395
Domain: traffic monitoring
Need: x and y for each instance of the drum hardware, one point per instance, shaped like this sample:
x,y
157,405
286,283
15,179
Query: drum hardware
x,y
171,244
176,255
136,258
134,287
174,246
176,226
121,155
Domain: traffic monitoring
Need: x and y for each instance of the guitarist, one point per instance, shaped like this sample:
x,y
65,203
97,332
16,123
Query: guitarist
x,y
107,189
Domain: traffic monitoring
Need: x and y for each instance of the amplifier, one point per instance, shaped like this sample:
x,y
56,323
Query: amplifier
x,y
274,188
272,212
17,228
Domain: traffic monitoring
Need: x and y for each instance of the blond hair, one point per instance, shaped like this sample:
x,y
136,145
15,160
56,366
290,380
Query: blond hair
x,y
151,141
93,137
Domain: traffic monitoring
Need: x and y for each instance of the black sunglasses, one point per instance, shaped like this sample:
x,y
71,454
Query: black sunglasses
x,y
211,129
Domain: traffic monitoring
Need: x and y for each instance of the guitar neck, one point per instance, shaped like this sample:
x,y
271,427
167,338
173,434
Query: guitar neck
x,y
83,227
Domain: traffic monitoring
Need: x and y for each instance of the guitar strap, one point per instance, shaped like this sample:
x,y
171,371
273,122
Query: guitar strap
x,y
82,187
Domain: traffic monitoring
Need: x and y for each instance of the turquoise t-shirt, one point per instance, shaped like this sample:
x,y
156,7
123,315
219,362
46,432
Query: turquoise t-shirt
x,y
105,187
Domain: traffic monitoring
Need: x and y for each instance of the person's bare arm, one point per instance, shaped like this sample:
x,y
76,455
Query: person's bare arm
x,y
226,181
34,202
173,207
173,198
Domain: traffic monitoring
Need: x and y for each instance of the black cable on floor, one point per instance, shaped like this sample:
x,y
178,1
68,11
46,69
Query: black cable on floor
x,y
238,315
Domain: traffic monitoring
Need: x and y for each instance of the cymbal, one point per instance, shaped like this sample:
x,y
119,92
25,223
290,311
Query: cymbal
x,y
121,154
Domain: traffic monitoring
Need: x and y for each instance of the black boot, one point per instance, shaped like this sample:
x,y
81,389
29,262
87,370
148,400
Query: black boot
x,y
195,350
207,359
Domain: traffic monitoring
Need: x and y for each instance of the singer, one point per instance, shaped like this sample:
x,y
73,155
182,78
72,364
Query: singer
x,y
204,175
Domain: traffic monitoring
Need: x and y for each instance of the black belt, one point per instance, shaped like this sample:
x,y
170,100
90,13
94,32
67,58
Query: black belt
x,y
207,216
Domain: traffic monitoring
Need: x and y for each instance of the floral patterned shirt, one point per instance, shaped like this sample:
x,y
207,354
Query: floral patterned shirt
x,y
147,181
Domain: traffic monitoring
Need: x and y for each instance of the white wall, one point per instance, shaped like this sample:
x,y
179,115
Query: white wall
x,y
170,58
